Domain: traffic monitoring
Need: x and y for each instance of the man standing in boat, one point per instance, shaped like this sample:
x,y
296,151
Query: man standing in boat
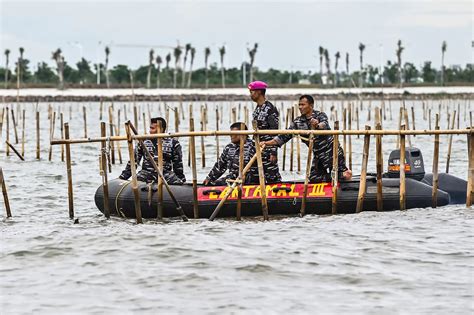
x,y
172,158
310,118
229,160
267,117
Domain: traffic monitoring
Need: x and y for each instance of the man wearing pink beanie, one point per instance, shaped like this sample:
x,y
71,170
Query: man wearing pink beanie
x,y
267,117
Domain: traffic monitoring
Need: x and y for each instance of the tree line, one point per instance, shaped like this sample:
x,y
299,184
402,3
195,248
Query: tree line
x,y
161,73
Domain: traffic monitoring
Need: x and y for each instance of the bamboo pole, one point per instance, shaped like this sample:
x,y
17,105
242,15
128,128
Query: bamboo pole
x,y
470,176
344,138
117,132
450,144
287,118
51,136
298,142
379,167
402,171
413,119
15,150
160,167
103,171
23,139
203,128
292,153
144,123
2,114
189,143
84,114
308,172
234,115
217,137
407,125
434,194
136,193
68,170
363,173
7,149
241,169
176,119
192,146
5,194
101,108
400,116
349,137
14,126
335,168
357,119
261,175
38,149
135,115
429,120
111,131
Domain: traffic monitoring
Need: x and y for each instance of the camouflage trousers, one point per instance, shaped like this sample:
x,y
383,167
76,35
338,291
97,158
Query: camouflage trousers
x,y
321,166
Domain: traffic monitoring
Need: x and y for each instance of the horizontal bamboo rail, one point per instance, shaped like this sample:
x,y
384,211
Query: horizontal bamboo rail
x,y
271,132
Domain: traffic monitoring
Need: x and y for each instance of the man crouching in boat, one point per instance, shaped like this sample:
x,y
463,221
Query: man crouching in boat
x,y
229,160
321,166
172,158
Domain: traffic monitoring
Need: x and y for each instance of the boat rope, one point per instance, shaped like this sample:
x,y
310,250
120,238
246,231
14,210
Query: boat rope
x,y
119,210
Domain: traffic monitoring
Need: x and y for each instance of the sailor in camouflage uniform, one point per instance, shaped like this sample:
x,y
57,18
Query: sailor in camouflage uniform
x,y
267,117
322,149
229,160
172,158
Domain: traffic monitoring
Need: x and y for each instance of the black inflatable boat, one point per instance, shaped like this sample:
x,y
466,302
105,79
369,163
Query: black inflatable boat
x,y
285,198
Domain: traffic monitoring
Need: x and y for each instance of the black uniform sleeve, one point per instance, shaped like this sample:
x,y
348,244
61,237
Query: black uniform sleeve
x,y
127,172
282,139
220,166
274,123
178,161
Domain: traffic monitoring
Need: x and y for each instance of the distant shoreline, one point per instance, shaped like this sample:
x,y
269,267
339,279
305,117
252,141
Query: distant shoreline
x,y
231,94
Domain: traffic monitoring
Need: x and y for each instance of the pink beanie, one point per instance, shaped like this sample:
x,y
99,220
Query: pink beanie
x,y
257,85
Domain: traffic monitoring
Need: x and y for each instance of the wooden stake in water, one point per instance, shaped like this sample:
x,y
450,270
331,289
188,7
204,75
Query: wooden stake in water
x,y
117,132
136,193
450,144
103,170
192,146
217,137
203,128
23,139
101,107
51,136
413,119
335,168
402,171
292,153
261,175
344,137
287,119
379,167
68,171
434,194
135,116
176,119
38,149
15,150
111,134
350,137
5,194
84,113
62,136
363,173
14,126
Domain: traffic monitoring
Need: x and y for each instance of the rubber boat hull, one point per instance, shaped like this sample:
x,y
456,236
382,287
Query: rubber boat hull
x,y
283,198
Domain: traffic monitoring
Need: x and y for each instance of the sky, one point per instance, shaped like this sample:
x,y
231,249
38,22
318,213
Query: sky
x,y
288,33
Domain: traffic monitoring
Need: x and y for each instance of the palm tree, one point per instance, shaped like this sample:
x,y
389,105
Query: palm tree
x,y
177,54
321,54
328,65
159,61
106,66
60,66
207,53
187,48
443,51
168,59
399,61
337,56
361,77
252,53
151,58
222,53
20,62
7,59
193,53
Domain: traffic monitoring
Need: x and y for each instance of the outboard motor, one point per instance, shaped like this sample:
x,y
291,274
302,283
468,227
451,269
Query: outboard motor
x,y
414,166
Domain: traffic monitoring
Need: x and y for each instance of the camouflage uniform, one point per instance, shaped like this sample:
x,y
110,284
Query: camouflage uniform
x,y
229,160
322,149
172,162
267,117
